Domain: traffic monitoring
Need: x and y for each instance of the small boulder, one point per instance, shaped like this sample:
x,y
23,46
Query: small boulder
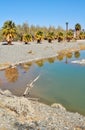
x,y
58,106
7,93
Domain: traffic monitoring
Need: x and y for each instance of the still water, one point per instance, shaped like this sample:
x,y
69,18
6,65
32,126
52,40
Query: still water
x,y
60,81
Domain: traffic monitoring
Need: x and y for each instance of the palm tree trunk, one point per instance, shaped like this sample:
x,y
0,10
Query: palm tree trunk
x,y
49,40
39,41
9,39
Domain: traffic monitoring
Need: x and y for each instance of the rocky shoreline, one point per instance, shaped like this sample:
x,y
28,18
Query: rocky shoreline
x,y
20,113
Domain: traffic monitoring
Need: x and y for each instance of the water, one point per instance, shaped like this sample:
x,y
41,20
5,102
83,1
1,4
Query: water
x,y
60,81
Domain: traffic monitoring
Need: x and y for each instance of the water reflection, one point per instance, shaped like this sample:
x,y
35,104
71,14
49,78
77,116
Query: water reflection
x,y
60,57
51,60
40,63
26,66
11,74
68,56
77,54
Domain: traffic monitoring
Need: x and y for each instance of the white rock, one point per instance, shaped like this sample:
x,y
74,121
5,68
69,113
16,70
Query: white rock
x,y
58,106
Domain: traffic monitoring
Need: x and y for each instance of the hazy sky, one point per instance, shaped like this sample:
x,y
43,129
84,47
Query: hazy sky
x,y
43,12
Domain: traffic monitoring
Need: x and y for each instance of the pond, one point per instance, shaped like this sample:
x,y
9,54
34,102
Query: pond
x,y
60,81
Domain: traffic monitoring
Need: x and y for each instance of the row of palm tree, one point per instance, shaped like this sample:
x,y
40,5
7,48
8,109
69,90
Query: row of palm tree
x,y
10,32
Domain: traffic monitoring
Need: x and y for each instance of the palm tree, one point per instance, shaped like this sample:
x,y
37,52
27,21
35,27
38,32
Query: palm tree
x,y
69,35
60,36
50,36
78,29
9,31
27,38
82,35
39,36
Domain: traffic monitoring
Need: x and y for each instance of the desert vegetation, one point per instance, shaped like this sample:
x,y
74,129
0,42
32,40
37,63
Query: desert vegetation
x,y
11,32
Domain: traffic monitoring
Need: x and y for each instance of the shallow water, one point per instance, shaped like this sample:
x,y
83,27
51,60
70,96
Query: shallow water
x,y
60,81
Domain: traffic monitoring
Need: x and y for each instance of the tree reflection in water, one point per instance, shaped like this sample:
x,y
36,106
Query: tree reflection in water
x,y
77,54
40,63
26,66
68,56
60,57
11,74
51,60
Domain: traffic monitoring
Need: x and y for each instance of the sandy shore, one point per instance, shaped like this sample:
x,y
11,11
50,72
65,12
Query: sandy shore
x,y
19,52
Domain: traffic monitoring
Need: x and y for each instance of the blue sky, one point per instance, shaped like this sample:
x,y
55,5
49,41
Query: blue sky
x,y
43,12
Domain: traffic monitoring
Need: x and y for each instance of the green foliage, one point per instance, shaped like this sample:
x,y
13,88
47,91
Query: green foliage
x,y
9,31
27,38
69,35
9,28
50,36
1,36
77,27
60,36
82,35
39,36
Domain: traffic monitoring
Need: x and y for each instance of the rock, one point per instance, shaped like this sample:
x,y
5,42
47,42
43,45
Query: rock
x,y
7,93
21,106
